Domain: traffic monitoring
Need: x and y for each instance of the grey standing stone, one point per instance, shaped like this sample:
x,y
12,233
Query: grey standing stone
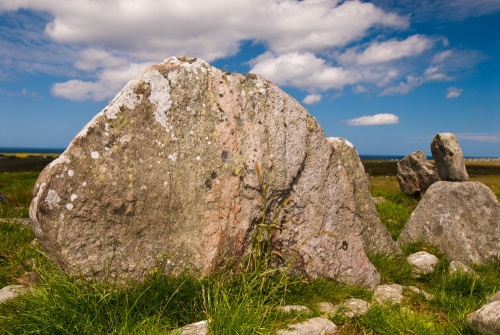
x,y
415,174
460,218
165,177
448,158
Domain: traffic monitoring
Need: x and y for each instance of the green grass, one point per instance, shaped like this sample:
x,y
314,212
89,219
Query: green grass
x,y
244,301
17,187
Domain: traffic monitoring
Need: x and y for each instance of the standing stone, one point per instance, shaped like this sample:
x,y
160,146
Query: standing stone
x,y
462,219
165,177
448,158
415,174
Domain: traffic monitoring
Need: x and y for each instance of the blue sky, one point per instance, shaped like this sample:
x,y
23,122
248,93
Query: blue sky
x,y
385,74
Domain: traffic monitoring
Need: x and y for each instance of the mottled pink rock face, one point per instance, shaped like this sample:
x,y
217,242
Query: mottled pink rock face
x,y
164,178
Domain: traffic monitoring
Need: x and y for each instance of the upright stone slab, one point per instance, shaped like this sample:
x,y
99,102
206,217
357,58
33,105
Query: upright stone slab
x,y
415,174
165,176
462,219
448,157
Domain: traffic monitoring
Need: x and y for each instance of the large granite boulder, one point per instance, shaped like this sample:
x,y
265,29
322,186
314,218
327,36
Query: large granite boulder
x,y
462,219
165,176
448,157
415,174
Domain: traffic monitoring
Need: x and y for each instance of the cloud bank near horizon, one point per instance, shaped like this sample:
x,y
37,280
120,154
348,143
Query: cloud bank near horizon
x,y
319,47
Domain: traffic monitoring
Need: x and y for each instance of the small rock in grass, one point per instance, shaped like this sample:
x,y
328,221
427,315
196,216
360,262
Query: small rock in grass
x,y
419,291
389,294
460,267
10,292
316,326
294,308
423,262
197,328
349,308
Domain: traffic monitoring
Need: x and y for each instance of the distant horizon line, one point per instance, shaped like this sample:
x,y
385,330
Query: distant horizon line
x,y
34,150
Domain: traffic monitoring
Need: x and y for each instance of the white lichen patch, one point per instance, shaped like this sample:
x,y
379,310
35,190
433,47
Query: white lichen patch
x,y
259,83
125,138
173,157
52,199
69,207
160,96
198,158
71,173
94,155
73,197
125,98
84,184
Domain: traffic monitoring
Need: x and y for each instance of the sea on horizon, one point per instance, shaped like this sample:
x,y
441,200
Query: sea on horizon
x,y
16,150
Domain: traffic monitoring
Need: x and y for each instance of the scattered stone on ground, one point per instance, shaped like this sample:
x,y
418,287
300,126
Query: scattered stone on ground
x,y
415,174
459,218
294,308
197,328
419,291
460,267
423,262
166,176
487,318
448,158
349,308
388,294
11,291
28,278
316,326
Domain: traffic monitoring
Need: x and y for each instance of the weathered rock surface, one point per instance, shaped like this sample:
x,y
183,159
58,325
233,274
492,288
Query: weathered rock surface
x,y
448,157
165,176
10,292
388,294
294,308
460,218
197,328
423,262
349,308
415,174
460,267
494,297
487,318
376,238
314,326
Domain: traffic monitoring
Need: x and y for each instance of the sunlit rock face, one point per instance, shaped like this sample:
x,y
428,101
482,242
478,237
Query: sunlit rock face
x,y
448,157
165,178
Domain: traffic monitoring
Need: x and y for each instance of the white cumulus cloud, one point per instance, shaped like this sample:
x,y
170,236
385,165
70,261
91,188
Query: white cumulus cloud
x,y
453,92
374,120
312,99
380,52
303,70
